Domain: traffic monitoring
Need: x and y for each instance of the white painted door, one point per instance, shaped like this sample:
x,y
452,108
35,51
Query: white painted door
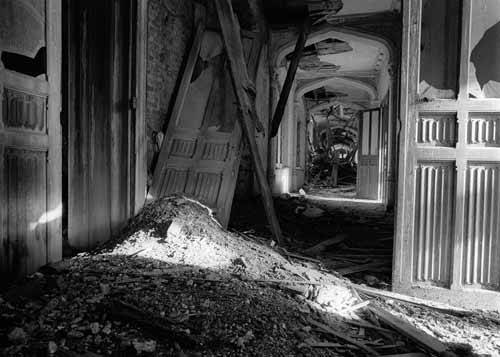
x,y
368,175
448,222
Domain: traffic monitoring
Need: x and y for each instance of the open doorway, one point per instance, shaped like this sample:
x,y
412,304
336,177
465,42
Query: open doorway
x,y
332,142
340,133
98,120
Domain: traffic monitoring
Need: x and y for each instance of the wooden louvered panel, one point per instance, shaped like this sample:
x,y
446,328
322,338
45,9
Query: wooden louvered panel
x,y
481,252
174,181
436,129
433,221
484,129
207,187
26,207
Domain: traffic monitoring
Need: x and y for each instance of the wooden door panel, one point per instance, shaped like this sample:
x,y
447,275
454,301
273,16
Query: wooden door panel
x,y
369,155
434,206
200,155
449,208
98,119
30,233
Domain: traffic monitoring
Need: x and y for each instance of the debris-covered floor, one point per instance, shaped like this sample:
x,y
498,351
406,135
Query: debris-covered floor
x,y
176,284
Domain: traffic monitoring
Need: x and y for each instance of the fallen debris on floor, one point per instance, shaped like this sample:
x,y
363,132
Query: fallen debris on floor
x,y
177,284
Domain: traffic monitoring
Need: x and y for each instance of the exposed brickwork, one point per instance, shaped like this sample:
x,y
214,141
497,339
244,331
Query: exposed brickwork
x,y
170,26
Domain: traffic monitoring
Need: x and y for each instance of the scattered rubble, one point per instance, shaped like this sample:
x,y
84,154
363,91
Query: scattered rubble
x,y
177,284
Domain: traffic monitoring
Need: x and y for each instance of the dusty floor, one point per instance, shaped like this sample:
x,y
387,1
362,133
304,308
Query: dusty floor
x,y
176,284
341,191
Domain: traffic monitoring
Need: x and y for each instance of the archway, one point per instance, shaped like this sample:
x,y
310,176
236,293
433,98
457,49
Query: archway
x,y
342,75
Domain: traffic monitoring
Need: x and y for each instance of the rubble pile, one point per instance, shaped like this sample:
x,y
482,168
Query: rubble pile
x,y
177,284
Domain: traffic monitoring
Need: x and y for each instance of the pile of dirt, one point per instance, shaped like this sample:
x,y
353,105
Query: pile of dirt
x,y
177,284
181,231
174,283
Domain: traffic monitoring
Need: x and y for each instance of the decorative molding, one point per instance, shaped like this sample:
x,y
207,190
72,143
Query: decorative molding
x,y
435,129
215,151
24,111
433,235
183,148
308,86
484,130
481,244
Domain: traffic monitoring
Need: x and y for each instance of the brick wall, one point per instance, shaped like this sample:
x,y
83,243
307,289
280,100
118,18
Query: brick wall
x,y
170,26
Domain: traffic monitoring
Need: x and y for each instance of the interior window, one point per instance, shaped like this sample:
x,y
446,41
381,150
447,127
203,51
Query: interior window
x,y
484,74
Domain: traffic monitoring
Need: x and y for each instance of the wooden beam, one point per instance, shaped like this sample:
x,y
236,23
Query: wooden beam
x,y
343,336
242,86
290,77
429,342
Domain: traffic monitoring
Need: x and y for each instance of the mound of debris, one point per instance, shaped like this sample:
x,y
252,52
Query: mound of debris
x,y
181,231
177,284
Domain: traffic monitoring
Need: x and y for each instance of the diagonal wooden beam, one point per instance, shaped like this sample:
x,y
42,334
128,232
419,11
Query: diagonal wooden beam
x,y
242,87
290,77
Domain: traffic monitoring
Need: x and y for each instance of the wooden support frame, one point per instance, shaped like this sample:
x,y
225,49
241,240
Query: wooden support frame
x,y
242,86
290,77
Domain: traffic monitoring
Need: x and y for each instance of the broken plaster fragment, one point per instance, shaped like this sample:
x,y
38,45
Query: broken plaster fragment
x,y
146,346
95,327
18,336
245,339
51,347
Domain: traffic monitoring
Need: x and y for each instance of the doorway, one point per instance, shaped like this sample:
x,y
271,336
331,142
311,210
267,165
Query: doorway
x,y
98,119
338,139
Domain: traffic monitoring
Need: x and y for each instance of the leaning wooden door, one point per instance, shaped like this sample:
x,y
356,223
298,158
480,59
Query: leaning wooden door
x,y
368,175
448,225
30,150
201,152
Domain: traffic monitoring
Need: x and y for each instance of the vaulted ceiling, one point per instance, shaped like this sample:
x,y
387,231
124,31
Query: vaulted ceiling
x,y
337,64
289,11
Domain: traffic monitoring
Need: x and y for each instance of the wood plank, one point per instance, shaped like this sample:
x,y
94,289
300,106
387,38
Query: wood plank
x,y
242,86
54,170
429,342
413,354
361,267
141,169
290,77
318,248
445,308
342,336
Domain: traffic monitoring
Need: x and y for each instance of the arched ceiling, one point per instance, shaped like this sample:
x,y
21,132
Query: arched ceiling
x,y
345,89
289,11
353,7
359,62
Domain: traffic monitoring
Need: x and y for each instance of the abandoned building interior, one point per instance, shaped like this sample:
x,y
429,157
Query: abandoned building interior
x,y
250,177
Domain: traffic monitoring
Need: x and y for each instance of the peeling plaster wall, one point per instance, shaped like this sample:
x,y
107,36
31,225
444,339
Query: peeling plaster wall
x,y
170,28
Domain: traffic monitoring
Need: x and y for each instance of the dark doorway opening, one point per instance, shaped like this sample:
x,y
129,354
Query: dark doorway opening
x,y
97,119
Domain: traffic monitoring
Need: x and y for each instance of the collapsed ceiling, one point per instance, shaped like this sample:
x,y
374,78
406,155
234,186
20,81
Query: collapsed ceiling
x,y
334,52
